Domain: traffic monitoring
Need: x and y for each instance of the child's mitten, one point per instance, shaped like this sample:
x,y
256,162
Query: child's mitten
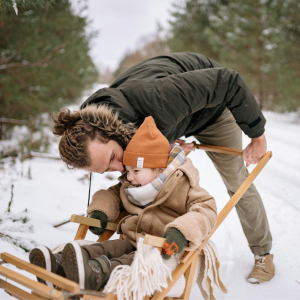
x,y
103,219
175,243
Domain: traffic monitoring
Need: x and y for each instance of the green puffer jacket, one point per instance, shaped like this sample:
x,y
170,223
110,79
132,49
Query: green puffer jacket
x,y
184,93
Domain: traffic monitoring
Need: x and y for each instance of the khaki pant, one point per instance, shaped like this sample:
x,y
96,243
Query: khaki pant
x,y
119,252
226,133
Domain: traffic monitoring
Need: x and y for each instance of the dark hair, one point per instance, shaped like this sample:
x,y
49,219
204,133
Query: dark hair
x,y
75,136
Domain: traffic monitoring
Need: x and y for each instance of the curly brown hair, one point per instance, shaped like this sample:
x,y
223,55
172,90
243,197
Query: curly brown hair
x,y
78,128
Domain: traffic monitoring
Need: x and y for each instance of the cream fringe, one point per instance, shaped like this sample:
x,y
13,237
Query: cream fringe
x,y
209,273
146,275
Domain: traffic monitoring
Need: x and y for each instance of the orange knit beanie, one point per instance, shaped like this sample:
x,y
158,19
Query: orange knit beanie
x,y
148,147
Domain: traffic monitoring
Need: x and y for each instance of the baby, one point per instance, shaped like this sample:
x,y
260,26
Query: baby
x,y
160,191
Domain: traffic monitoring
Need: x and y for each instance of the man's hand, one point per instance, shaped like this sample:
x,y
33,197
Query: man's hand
x,y
254,152
185,147
103,219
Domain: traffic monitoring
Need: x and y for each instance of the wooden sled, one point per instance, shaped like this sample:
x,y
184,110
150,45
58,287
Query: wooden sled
x,y
66,289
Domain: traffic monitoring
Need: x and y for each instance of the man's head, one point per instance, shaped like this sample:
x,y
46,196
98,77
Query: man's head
x,y
89,138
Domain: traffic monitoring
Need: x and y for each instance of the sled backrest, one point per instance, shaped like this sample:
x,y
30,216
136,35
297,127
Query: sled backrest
x,y
85,223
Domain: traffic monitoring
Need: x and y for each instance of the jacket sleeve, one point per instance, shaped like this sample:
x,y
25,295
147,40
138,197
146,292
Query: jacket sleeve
x,y
108,201
183,94
200,219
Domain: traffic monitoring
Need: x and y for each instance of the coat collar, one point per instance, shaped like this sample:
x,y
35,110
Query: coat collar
x,y
190,171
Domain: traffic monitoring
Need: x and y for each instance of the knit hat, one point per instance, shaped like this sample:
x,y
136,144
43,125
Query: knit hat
x,y
148,147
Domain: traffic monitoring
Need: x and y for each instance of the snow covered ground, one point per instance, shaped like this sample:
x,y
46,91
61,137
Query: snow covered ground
x,y
53,193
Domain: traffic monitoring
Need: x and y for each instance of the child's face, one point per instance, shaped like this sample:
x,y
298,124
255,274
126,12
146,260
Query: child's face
x,y
140,176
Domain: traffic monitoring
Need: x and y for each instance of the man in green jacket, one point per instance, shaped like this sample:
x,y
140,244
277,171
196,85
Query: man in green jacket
x,y
187,94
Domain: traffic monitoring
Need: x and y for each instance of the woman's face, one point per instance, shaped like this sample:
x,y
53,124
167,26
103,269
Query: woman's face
x,y
105,157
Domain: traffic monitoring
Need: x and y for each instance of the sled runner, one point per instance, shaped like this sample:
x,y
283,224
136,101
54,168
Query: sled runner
x,y
66,289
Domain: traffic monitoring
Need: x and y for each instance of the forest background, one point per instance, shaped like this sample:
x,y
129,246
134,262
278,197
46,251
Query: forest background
x,y
45,61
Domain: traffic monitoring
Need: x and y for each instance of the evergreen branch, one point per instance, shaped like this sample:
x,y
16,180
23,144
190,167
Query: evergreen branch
x,y
6,60
34,64
224,39
8,5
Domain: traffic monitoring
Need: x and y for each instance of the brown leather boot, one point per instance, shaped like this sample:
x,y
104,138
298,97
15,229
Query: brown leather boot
x,y
263,270
44,258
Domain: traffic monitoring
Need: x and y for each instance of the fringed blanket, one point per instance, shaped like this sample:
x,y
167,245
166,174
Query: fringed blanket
x,y
149,273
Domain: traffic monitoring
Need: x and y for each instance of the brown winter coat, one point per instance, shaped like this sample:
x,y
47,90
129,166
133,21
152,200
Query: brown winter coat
x,y
180,203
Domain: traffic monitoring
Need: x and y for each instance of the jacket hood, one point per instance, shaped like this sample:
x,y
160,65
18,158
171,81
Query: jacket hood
x,y
115,99
191,172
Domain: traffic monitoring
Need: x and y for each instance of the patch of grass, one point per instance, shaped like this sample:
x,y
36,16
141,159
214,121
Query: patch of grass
x,y
22,247
11,199
23,220
13,241
4,236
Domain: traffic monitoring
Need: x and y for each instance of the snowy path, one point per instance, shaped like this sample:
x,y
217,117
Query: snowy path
x,y
54,193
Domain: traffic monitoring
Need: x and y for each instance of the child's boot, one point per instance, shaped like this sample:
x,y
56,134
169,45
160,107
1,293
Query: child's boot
x,y
44,258
90,274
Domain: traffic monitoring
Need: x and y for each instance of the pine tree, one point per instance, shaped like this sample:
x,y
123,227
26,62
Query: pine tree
x,y
12,5
257,38
45,62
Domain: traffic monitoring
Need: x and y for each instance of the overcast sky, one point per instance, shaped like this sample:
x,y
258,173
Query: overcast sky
x,y
121,24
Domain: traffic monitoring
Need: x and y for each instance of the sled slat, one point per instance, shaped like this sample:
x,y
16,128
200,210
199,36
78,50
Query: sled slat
x,y
92,297
187,254
37,287
154,241
218,149
92,222
64,283
36,296
15,291
189,277
179,270
239,193
111,297
81,232
105,236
